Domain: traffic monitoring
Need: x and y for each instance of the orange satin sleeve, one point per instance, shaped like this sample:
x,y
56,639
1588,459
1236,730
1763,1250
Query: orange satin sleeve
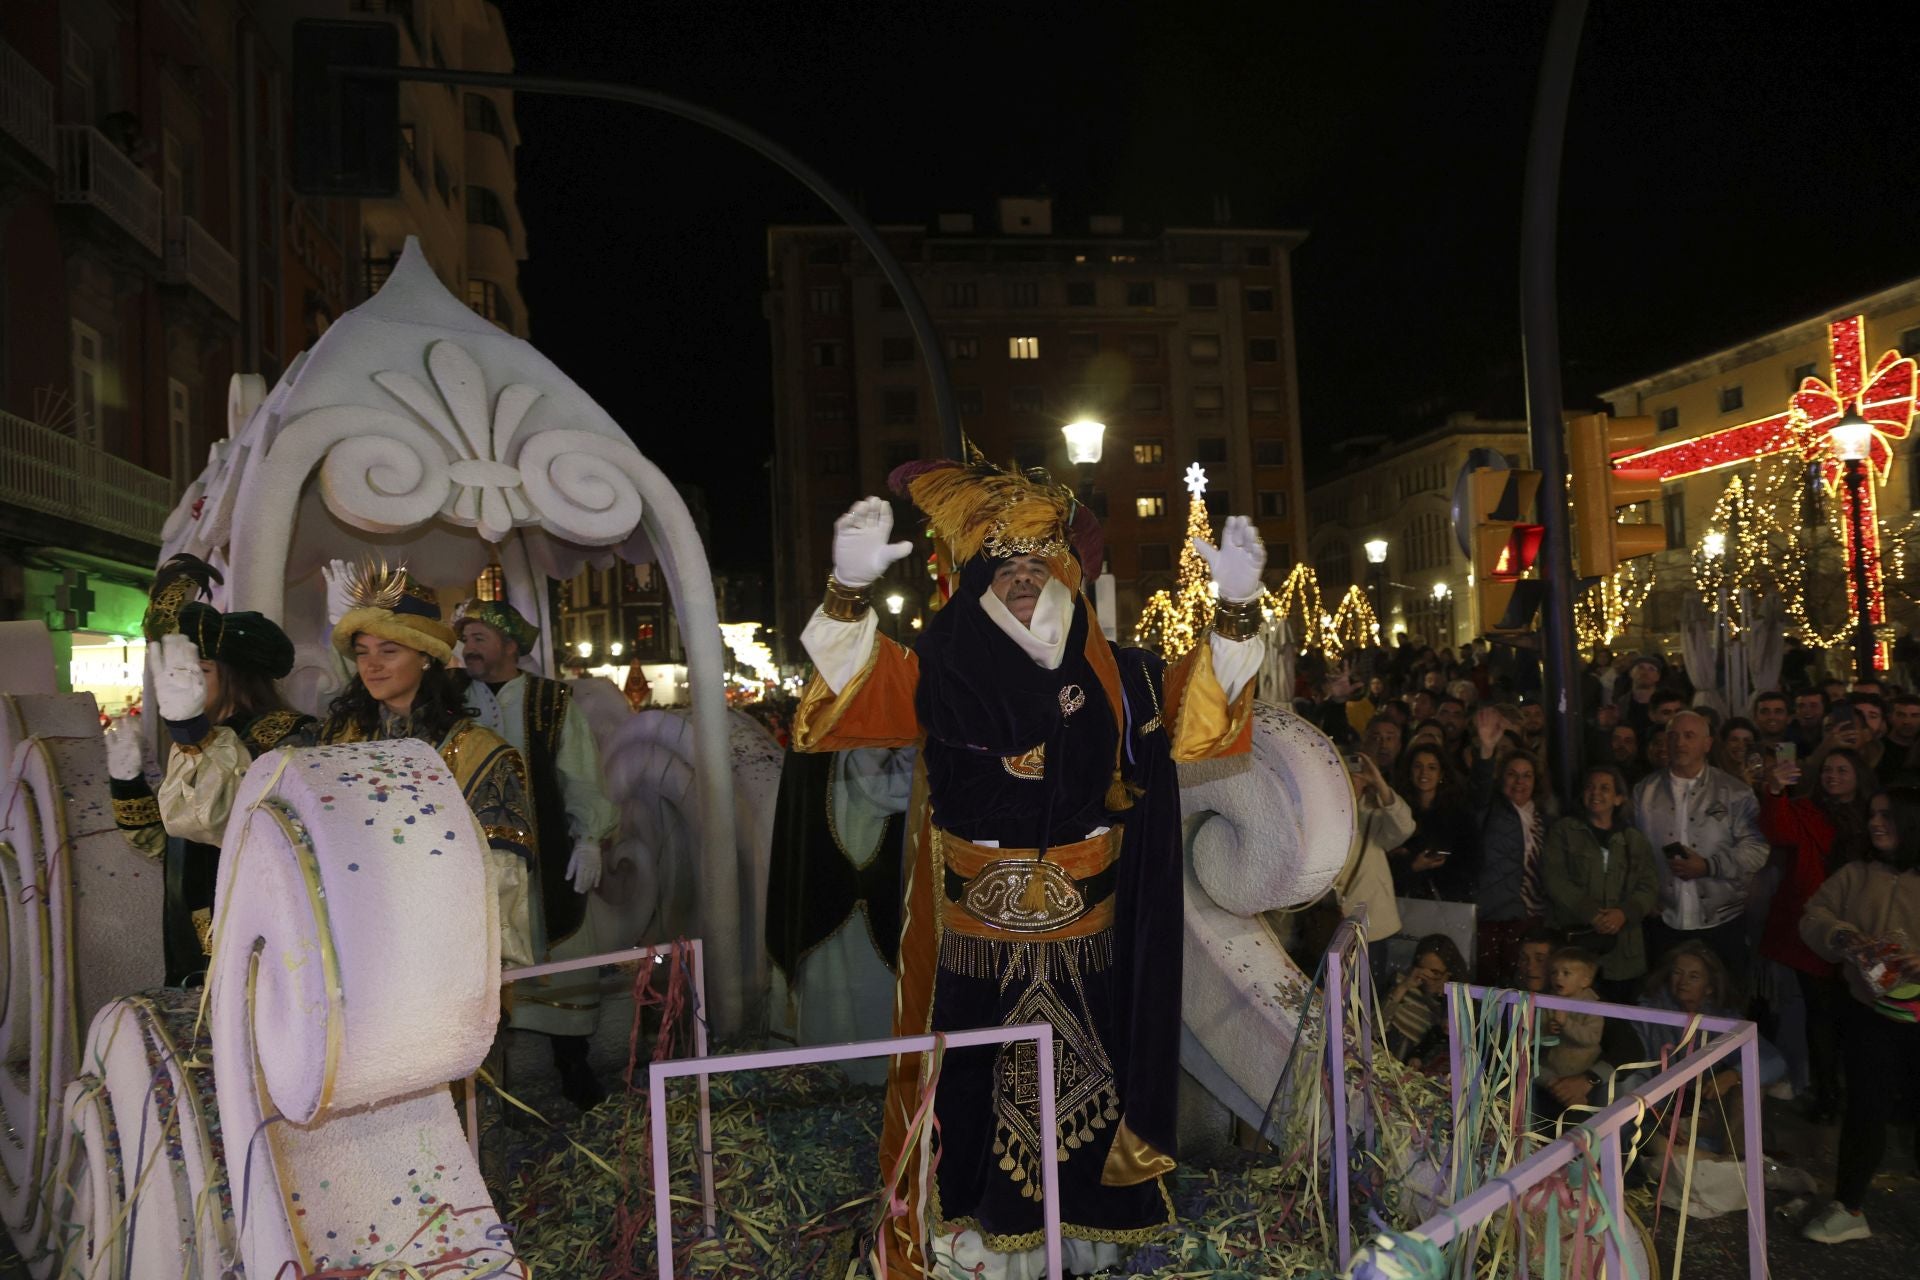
x,y
1201,723
874,710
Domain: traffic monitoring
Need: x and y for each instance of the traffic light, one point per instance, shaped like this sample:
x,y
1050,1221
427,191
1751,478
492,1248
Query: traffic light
x,y
1601,542
346,131
1505,543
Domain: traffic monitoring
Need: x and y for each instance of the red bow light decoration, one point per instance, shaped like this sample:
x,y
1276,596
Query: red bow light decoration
x,y
1885,398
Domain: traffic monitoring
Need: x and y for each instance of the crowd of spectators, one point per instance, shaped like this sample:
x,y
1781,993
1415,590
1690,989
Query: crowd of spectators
x,y
1762,865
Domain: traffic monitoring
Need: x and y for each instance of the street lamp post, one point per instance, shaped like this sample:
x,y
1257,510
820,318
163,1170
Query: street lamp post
x,y
1086,441
1443,596
1376,549
1852,437
1715,546
895,602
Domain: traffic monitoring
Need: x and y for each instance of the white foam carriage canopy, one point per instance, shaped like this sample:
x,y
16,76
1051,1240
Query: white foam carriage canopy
x,y
355,972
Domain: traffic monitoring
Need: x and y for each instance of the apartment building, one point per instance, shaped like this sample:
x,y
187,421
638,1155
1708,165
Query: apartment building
x,y
1179,340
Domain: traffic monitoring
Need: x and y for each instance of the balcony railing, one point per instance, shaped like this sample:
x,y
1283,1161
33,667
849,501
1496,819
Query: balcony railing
x,y
195,258
95,172
43,470
26,104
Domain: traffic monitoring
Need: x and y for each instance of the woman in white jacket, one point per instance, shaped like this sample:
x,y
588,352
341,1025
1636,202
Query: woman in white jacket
x,y
1383,822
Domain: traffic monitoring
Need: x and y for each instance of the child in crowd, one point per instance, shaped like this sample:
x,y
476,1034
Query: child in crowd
x,y
1530,970
1416,1011
1574,971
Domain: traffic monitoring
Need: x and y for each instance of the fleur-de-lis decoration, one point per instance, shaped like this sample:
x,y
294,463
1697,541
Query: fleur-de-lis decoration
x,y
487,493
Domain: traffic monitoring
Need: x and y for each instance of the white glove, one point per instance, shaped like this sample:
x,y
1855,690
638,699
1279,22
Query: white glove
x,y
179,685
337,574
861,552
584,867
124,760
1237,562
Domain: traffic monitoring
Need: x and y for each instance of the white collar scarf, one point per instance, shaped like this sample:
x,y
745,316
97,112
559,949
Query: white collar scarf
x,y
1045,639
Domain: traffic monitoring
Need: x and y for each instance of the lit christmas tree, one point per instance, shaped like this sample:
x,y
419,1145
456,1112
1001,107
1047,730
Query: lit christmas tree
x,y
1173,622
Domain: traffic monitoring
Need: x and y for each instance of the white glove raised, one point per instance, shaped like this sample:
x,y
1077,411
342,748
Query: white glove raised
x,y
124,760
1237,562
337,574
584,867
179,685
861,552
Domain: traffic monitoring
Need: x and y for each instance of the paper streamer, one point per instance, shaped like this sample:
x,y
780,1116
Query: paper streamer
x,y
355,972
82,926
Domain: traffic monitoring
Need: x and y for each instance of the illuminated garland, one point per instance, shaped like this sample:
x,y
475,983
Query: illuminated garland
x,y
1173,621
1605,611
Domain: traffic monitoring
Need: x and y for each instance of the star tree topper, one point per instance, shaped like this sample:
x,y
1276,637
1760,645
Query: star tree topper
x,y
1196,479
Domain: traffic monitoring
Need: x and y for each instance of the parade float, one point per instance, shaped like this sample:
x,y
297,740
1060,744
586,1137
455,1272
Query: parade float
x,y
295,1117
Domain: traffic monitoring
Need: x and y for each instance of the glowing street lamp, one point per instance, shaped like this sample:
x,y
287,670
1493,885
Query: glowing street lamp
x,y
895,603
584,648
1085,441
1441,591
616,648
1376,550
1852,438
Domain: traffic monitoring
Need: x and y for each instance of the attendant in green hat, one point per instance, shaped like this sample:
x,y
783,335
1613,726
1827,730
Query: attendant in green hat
x,y
571,812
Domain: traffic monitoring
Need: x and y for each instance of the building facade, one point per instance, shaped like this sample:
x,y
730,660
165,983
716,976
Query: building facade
x,y
458,192
150,248
1751,381
1401,494
1181,342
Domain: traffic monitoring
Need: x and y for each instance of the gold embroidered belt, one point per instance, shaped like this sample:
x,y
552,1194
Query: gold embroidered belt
x,y
990,892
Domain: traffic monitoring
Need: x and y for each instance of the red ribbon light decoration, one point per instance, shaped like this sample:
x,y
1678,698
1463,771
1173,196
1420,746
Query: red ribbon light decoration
x,y
1885,397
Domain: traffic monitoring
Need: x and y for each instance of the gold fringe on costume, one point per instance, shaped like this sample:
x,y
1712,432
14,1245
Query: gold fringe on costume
x,y
975,957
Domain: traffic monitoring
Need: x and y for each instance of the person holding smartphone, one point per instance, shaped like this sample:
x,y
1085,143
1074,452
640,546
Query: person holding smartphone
x,y
1384,822
1706,825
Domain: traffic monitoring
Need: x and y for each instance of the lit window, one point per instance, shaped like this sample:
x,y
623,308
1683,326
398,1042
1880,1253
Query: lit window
x,y
1148,452
1149,506
1023,348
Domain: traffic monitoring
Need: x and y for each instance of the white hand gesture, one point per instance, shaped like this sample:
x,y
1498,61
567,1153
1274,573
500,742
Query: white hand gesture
x,y
861,552
583,869
179,686
123,749
337,574
1237,562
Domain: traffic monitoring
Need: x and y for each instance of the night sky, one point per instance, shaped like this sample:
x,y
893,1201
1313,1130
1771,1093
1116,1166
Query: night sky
x,y
1729,168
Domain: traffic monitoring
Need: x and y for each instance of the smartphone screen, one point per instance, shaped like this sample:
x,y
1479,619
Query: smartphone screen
x,y
1786,752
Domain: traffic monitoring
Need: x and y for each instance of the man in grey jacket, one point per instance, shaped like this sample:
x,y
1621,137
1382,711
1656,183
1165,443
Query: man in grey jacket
x,y
1704,826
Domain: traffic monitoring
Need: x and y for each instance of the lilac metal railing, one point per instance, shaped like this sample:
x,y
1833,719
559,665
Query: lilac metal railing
x,y
1603,1128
